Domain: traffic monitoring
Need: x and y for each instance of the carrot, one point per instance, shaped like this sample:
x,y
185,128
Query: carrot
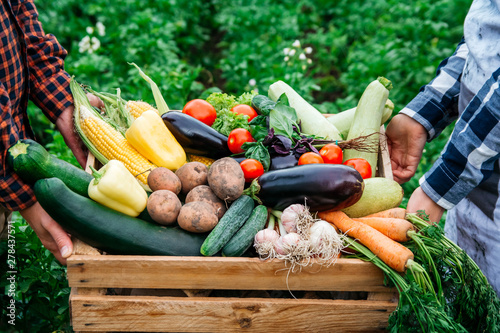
x,y
396,212
394,228
391,252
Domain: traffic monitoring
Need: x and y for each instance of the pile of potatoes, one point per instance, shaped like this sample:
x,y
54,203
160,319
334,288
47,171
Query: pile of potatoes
x,y
194,196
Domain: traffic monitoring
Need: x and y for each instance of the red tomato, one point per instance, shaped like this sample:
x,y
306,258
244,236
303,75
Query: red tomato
x,y
201,110
331,153
362,165
245,109
310,158
238,137
251,169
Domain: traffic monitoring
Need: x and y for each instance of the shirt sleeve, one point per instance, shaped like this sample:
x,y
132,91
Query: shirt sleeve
x,y
435,106
49,82
472,150
14,193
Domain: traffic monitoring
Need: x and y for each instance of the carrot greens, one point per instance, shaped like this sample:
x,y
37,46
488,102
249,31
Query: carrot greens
x,y
465,291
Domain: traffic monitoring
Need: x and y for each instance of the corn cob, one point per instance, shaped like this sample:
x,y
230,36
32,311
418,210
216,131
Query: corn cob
x,y
112,145
205,160
136,108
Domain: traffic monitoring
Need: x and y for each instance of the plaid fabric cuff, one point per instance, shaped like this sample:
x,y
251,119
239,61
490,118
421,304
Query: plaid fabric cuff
x,y
15,195
53,96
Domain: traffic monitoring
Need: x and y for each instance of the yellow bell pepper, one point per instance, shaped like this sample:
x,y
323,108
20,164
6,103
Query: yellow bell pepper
x,y
150,137
115,187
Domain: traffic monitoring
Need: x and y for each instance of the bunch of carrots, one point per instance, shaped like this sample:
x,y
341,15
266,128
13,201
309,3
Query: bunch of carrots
x,y
441,289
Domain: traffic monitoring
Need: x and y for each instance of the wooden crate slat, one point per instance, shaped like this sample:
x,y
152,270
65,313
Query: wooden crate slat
x,y
174,314
219,273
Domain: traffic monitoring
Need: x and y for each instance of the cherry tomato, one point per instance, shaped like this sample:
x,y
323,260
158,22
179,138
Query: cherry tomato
x,y
331,153
251,169
238,137
362,165
245,109
310,158
201,110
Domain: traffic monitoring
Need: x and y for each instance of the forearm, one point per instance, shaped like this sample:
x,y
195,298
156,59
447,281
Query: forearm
x,y
472,150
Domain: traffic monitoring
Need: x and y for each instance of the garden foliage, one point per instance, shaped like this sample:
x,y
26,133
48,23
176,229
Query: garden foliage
x,y
328,51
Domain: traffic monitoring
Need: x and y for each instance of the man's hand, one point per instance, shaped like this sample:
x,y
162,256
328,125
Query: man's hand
x,y
421,201
51,234
65,125
406,139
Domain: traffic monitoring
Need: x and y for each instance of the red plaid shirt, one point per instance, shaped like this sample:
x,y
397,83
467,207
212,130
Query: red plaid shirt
x,y
31,67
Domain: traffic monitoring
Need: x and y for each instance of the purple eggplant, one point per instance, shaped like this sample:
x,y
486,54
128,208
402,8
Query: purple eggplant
x,y
279,162
319,186
196,137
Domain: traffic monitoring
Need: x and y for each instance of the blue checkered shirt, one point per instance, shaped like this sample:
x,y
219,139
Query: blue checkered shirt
x,y
470,155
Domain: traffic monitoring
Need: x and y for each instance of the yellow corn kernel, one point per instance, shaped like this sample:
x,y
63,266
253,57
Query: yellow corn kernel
x,y
113,145
138,107
205,160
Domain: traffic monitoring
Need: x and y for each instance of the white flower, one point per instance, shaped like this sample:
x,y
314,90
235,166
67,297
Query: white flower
x,y
308,50
309,61
286,58
252,82
84,44
291,53
302,56
304,67
296,43
85,40
89,30
101,29
286,50
95,44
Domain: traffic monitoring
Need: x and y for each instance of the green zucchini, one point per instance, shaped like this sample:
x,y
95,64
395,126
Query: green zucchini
x,y
243,239
31,161
233,219
109,230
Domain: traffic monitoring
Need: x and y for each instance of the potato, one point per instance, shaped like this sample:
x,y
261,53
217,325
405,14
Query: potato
x,y
191,175
197,216
164,179
204,193
164,207
226,179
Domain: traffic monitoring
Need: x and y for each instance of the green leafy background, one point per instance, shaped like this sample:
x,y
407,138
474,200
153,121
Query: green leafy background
x,y
188,46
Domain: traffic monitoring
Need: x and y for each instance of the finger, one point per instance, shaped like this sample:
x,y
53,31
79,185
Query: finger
x,y
74,143
60,237
95,101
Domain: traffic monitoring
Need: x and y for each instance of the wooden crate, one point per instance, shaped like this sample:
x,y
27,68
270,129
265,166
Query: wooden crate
x,y
117,293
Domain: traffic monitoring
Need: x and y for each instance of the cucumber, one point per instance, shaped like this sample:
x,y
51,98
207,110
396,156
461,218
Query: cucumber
x,y
109,230
233,219
243,239
31,161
